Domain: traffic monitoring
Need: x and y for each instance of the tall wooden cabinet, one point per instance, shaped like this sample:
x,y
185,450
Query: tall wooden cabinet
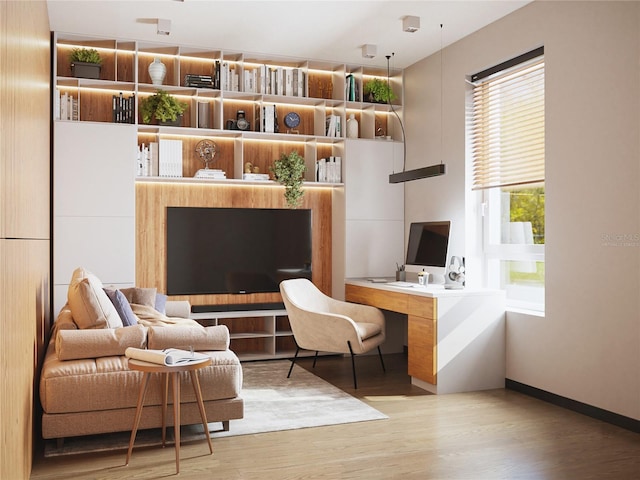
x,y
24,226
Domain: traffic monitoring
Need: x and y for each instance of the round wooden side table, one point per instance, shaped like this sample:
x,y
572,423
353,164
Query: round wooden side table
x,y
173,373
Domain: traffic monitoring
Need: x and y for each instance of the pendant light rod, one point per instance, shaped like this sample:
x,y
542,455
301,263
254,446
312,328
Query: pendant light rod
x,y
424,172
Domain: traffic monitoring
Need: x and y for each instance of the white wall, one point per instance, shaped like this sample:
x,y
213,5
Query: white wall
x,y
93,204
587,345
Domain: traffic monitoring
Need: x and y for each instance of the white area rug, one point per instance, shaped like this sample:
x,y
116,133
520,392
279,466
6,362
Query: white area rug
x,y
273,402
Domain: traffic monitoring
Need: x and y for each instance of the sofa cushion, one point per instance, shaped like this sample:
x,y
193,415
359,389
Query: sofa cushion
x,y
90,306
184,337
107,383
78,344
140,296
122,306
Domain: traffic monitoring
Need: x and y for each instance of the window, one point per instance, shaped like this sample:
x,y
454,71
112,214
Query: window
x,y
507,145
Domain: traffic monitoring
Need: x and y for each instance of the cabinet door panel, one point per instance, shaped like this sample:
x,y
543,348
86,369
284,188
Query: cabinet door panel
x,y
422,362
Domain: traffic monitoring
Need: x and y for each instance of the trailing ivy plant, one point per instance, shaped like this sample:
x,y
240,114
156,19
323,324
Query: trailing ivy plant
x,y
85,55
289,171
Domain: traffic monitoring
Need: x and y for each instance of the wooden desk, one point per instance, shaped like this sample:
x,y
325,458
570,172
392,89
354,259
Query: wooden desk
x,y
455,338
174,373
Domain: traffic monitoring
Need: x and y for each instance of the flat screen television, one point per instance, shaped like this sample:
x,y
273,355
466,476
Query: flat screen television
x,y
428,242
236,250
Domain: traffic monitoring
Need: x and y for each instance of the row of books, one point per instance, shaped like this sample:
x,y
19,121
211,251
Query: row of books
x,y
123,109
263,79
352,90
160,159
65,106
329,170
334,126
266,119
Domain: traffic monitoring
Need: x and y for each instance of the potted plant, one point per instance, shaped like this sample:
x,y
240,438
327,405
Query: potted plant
x,y
289,171
85,63
378,90
163,107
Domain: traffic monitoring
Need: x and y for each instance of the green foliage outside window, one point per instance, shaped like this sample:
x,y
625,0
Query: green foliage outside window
x,y
527,205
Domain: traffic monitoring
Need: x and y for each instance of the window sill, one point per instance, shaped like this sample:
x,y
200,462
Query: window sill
x,y
525,311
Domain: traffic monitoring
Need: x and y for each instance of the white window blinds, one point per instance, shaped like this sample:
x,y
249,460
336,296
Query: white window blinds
x,y
508,127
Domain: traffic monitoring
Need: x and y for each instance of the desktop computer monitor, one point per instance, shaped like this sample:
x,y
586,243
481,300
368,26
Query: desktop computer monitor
x,y
427,244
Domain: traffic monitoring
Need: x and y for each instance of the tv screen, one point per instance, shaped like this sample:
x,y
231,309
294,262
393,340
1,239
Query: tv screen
x,y
236,250
427,245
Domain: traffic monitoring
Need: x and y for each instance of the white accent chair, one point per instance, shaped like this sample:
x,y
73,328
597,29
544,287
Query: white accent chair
x,y
321,323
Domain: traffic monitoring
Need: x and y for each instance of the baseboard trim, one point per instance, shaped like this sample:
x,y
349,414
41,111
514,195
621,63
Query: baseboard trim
x,y
594,412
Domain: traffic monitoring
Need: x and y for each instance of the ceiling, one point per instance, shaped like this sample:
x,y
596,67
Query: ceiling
x,y
310,29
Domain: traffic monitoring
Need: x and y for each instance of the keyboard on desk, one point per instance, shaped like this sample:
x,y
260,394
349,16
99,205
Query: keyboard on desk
x,y
401,284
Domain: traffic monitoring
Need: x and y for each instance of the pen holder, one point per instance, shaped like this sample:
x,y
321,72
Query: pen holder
x,y
401,276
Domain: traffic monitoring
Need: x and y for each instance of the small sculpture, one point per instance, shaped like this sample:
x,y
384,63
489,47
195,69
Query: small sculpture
x,y
207,150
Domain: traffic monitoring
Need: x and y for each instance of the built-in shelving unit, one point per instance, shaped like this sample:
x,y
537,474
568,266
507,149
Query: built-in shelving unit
x,y
138,249
323,92
255,334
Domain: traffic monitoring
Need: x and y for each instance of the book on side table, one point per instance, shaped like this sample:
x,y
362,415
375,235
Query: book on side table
x,y
168,357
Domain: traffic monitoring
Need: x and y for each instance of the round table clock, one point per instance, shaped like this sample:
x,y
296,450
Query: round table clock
x,y
292,120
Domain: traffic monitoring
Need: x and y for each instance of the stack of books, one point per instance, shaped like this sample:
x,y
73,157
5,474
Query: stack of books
x,y
198,81
211,174
256,177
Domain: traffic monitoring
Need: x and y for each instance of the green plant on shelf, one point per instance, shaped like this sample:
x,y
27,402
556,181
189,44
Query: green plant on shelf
x,y
161,106
379,90
289,171
85,55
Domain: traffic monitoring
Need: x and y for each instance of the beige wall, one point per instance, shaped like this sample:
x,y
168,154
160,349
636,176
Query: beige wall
x,y
587,346
24,226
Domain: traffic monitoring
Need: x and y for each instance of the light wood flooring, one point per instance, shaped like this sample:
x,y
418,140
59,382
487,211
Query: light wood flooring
x,y
497,434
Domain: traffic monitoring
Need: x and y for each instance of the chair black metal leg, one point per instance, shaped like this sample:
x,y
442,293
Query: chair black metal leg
x,y
353,366
293,361
314,359
381,360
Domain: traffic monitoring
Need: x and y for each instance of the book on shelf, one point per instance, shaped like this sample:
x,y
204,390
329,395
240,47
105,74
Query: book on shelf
x,y
199,81
334,126
211,174
65,106
256,177
169,158
351,88
266,118
170,357
123,109
329,170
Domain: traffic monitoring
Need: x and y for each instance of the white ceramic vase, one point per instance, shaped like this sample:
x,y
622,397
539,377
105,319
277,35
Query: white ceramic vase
x,y
352,126
157,71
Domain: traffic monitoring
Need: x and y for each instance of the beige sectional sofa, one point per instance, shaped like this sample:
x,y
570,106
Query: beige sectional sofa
x,y
87,388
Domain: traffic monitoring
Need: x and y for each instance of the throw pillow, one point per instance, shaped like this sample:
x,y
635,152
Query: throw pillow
x,y
140,296
90,306
122,306
185,337
161,303
108,342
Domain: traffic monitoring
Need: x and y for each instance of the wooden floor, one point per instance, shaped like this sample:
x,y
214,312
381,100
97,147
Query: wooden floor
x,y
496,434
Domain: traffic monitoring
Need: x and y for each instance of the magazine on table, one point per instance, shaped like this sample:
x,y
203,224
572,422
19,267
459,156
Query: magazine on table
x,y
168,357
